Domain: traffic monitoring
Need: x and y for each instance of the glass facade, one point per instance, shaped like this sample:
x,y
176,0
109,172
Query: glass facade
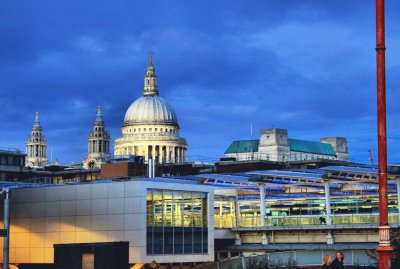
x,y
176,222
351,209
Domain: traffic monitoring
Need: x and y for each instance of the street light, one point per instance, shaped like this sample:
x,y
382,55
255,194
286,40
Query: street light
x,y
384,250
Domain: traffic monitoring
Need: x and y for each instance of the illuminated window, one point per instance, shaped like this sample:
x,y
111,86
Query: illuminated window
x,y
176,222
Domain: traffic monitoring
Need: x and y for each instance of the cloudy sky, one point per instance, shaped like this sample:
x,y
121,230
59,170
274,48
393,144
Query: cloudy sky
x,y
308,66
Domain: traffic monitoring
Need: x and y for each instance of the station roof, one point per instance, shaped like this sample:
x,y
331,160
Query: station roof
x,y
344,181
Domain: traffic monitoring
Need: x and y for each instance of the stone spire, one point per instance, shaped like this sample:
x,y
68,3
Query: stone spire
x,y
98,143
36,146
99,118
150,80
36,123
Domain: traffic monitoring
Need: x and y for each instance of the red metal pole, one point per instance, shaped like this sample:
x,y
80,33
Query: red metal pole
x,y
384,250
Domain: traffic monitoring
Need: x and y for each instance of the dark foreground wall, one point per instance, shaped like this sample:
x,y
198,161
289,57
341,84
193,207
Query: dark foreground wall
x,y
106,255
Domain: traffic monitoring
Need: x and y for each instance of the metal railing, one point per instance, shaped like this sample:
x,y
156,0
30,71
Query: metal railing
x,y
230,221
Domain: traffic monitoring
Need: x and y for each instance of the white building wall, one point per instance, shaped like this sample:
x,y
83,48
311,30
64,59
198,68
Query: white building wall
x,y
88,213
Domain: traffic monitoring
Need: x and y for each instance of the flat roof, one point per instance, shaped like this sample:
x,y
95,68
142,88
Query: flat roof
x,y
350,181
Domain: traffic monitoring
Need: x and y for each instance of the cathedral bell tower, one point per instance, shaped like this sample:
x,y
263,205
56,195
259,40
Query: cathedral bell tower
x,y
98,144
36,146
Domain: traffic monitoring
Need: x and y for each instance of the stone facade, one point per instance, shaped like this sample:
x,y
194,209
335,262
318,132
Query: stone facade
x,y
36,146
151,127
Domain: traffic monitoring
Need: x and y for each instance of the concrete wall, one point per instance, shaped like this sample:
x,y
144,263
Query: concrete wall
x,y
87,213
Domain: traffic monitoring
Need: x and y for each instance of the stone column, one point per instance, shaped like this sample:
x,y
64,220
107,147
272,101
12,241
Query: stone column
x,y
328,203
146,156
181,154
172,154
178,153
161,154
153,152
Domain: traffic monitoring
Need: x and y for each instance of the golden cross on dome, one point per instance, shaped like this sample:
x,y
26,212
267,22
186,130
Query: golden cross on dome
x,y
98,109
37,115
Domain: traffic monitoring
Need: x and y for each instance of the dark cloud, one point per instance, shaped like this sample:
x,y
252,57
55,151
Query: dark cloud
x,y
308,66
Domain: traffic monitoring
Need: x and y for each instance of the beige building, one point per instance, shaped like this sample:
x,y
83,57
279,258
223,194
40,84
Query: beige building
x,y
103,212
36,146
150,127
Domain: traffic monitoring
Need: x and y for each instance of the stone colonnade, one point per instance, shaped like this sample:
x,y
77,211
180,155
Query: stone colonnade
x,y
161,153
36,151
98,146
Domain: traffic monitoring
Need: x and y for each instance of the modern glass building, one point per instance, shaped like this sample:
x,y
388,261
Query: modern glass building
x,y
205,217
167,220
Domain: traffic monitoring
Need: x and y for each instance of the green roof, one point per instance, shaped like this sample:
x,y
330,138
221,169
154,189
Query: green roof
x,y
243,146
311,147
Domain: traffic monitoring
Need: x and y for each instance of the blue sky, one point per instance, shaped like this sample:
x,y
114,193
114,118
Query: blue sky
x,y
308,66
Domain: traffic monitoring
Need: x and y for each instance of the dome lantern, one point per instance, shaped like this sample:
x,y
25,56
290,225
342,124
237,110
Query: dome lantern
x,y
150,80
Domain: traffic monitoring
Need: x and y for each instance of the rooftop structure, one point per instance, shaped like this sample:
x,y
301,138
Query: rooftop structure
x,y
274,145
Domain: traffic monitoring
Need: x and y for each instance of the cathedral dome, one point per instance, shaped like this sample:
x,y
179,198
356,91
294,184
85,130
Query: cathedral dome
x,y
150,127
150,109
